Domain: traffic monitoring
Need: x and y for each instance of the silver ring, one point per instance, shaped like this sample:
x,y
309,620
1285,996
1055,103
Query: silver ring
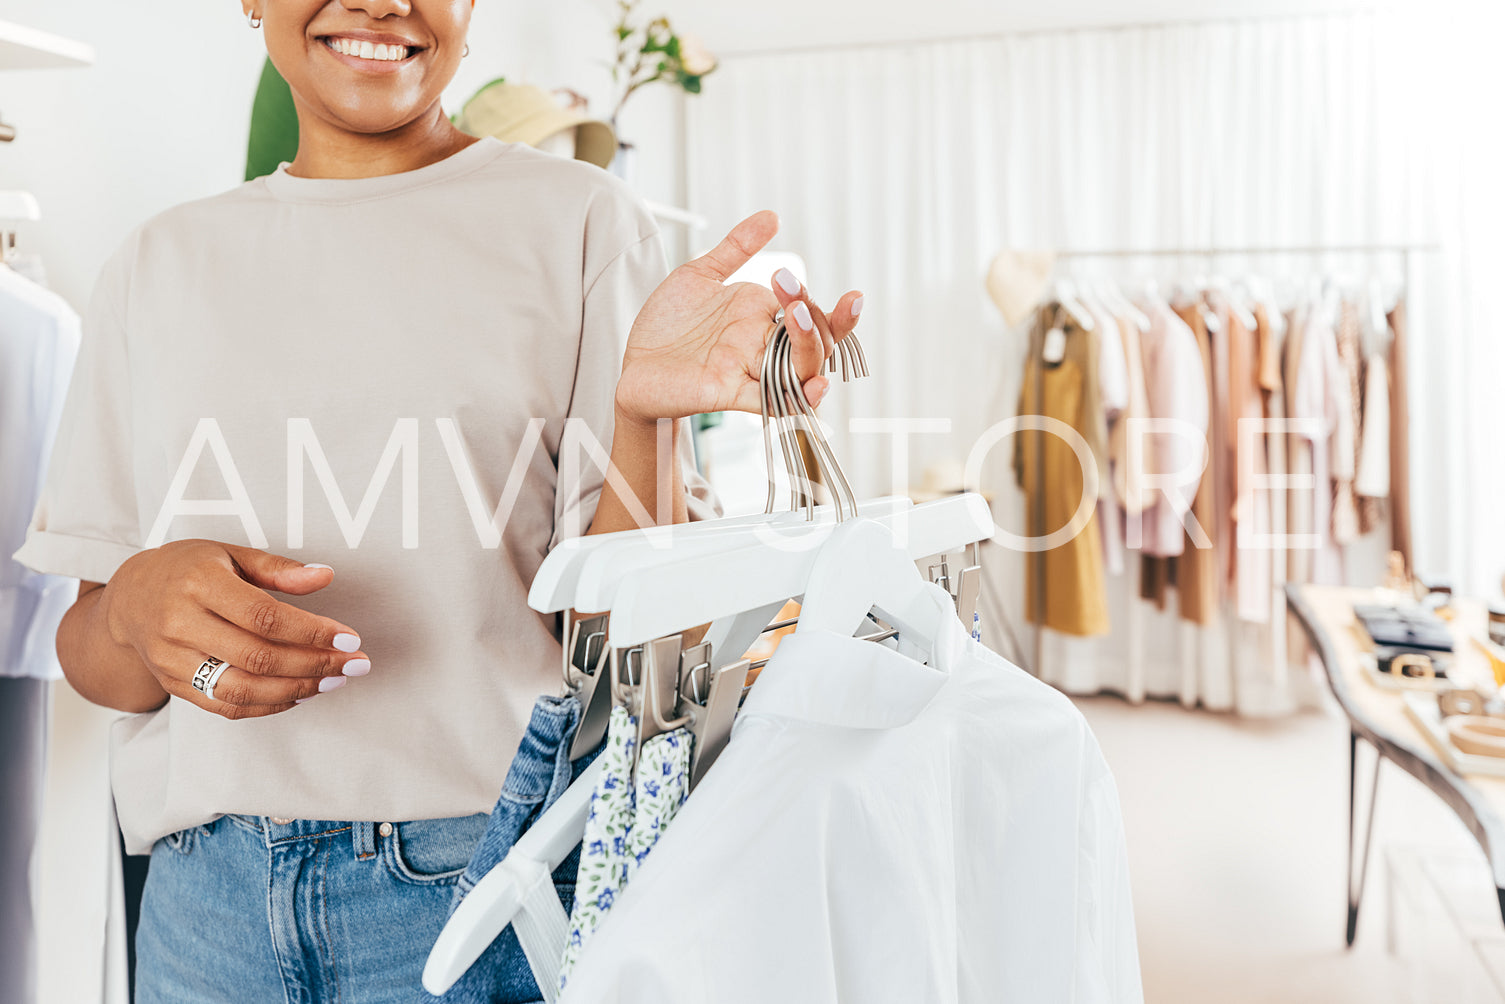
x,y
208,674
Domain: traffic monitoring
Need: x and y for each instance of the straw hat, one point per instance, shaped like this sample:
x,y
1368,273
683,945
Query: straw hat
x,y
522,113
1017,280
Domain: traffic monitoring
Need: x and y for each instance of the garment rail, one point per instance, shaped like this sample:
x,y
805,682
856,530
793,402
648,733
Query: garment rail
x,y
1405,250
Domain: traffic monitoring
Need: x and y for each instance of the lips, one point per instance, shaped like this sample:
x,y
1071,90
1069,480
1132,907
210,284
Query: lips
x,y
385,49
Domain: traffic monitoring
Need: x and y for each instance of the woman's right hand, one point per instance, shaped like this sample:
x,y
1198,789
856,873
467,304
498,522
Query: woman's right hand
x,y
185,601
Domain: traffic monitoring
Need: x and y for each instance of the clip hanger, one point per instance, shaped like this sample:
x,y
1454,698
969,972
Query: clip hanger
x,y
660,695
711,716
583,676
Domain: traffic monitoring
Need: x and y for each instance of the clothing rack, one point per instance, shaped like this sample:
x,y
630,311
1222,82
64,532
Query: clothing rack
x,y
1136,627
1250,251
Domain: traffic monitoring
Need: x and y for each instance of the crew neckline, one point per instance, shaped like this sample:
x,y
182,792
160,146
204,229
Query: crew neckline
x,y
292,188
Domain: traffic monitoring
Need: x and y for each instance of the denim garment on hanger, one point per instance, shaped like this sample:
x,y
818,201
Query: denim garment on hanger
x,y
540,773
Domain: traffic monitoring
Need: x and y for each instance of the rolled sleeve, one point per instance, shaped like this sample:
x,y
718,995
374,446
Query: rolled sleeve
x,y
86,522
613,298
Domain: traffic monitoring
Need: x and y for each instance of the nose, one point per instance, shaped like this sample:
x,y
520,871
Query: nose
x,y
380,8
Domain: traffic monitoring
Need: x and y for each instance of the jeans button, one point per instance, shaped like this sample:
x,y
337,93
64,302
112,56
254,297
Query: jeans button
x,y
279,820
385,829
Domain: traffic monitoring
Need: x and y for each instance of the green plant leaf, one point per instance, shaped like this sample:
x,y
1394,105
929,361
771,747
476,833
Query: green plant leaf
x,y
274,125
691,83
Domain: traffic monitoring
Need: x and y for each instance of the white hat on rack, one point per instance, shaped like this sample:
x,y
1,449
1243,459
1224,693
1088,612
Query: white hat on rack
x,y
1017,280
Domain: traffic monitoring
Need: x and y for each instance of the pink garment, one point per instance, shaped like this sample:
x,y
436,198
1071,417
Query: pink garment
x,y
1175,390
1320,396
1252,558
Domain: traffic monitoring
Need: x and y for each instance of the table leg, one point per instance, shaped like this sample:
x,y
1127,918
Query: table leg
x,y
1356,888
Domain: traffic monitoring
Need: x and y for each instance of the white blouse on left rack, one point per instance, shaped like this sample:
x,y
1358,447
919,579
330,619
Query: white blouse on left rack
x,y
39,338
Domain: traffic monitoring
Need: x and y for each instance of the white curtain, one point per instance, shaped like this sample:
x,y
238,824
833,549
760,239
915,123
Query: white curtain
x,y
903,170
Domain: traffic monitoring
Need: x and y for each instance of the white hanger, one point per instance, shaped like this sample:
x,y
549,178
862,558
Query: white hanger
x,y
496,899
1115,296
862,567
647,588
657,598
555,586
1224,288
1065,294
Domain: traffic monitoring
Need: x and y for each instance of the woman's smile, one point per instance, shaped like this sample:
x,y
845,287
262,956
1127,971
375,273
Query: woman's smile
x,y
371,52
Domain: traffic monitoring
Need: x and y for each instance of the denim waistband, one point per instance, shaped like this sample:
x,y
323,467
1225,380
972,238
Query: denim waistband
x,y
277,832
539,774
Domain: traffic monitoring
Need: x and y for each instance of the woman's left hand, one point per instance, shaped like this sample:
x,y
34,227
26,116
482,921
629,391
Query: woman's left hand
x,y
697,344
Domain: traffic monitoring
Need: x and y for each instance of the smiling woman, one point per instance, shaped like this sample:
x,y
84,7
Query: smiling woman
x,y
396,267
349,83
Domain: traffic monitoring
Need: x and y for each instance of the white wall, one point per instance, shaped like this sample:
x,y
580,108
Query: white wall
x,y
163,114
731,28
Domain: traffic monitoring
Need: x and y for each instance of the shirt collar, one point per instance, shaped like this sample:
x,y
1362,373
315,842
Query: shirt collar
x,y
827,679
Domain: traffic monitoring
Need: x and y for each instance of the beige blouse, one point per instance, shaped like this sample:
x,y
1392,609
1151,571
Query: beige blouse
x,y
356,372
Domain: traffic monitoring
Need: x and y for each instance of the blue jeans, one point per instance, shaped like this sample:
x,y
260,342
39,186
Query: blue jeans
x,y
250,910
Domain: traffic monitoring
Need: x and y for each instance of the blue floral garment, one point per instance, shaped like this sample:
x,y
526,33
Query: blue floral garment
x,y
663,784
625,822
604,849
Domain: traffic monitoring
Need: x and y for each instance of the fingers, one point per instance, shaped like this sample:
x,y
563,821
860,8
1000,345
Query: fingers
x,y
799,308
248,607
273,571
259,656
832,327
807,347
238,694
738,246
234,712
843,319
815,389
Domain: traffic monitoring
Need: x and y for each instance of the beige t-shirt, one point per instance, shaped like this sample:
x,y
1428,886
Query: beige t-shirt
x,y
350,369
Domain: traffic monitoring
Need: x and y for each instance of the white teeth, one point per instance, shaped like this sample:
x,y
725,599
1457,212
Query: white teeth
x,y
368,50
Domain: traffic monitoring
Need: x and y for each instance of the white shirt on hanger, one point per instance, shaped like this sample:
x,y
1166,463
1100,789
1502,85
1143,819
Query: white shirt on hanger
x,y
879,830
39,338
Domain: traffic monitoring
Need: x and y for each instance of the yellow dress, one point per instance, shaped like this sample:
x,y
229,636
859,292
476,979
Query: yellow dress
x,y
1069,578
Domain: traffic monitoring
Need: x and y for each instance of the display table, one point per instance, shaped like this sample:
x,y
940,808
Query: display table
x,y
1379,716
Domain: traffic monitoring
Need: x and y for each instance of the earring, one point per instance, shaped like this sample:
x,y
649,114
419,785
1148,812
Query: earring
x,y
253,20
466,52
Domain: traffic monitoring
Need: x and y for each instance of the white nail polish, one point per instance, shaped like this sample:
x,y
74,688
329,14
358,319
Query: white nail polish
x,y
857,306
302,700
317,565
787,282
331,683
802,316
347,642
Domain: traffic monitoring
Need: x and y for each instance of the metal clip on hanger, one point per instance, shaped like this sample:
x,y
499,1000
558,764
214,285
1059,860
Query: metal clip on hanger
x,y
711,715
583,676
680,690
660,697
